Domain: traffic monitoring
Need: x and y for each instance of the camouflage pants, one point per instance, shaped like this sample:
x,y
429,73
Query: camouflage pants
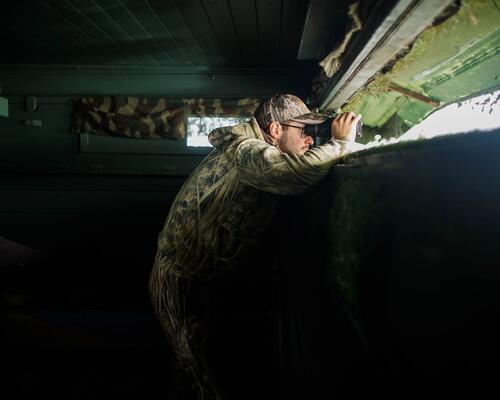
x,y
221,336
184,319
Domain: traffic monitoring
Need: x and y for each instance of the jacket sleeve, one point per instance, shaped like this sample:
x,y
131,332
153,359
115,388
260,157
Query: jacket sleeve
x,y
264,167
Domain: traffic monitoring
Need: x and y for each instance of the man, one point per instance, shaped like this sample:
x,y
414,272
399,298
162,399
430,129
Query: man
x,y
222,209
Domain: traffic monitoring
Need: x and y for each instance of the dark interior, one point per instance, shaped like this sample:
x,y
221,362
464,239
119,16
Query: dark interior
x,y
392,281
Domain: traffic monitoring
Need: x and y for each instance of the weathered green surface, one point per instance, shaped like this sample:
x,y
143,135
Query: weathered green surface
x,y
4,107
153,81
408,237
451,60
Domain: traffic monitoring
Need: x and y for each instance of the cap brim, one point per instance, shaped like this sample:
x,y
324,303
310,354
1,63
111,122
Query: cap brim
x,y
311,118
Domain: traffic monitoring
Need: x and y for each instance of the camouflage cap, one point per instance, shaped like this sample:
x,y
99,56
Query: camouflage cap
x,y
285,107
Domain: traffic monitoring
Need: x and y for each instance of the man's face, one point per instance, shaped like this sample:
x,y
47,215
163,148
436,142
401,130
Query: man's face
x,y
291,140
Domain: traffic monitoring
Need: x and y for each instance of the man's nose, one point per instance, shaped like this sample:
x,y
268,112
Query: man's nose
x,y
309,139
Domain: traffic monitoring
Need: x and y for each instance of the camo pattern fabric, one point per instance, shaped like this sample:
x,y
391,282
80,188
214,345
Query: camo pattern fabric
x,y
132,117
216,217
149,118
220,107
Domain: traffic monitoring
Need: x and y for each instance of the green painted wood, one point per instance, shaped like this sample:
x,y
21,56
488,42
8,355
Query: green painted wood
x,y
107,144
222,23
105,31
292,19
245,18
11,51
153,32
60,182
52,147
447,62
193,13
130,164
81,202
93,35
174,23
194,82
4,107
28,44
34,23
119,36
55,213
135,30
476,79
157,33
269,23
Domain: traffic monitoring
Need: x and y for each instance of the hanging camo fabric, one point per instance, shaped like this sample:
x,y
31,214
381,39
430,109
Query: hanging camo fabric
x,y
150,118
126,116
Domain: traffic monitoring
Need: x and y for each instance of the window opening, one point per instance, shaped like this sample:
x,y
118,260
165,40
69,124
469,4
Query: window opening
x,y
479,113
198,128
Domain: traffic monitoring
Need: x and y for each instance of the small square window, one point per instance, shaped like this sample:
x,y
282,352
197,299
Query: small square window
x,y
198,128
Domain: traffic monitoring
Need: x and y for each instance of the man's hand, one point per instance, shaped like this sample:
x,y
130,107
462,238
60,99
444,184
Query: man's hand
x,y
344,126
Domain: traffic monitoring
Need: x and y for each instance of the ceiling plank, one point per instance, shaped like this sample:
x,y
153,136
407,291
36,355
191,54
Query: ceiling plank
x,y
173,22
292,23
30,44
245,22
221,21
41,23
324,25
79,24
104,14
14,54
110,31
197,21
129,23
269,23
157,31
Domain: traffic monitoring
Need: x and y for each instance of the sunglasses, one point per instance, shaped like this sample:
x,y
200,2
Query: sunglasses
x,y
303,132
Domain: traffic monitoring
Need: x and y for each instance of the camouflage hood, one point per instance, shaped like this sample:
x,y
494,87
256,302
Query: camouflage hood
x,y
229,199
222,137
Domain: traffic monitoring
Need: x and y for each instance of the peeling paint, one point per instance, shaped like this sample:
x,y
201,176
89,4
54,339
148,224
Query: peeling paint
x,y
467,41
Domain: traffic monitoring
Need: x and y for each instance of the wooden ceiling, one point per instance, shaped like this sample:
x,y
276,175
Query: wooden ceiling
x,y
170,33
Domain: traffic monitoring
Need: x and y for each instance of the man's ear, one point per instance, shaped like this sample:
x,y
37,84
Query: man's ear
x,y
275,130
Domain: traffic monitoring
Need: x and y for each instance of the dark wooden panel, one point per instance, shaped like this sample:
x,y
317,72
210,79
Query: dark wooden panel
x,y
153,82
83,202
222,24
292,22
176,26
197,21
28,43
324,27
106,30
12,54
77,23
37,20
245,22
269,23
135,29
57,182
106,23
157,31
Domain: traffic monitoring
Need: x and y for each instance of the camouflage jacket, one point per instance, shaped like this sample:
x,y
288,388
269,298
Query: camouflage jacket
x,y
226,202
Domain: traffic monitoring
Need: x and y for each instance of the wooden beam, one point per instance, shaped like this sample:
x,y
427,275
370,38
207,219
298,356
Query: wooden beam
x,y
379,41
413,95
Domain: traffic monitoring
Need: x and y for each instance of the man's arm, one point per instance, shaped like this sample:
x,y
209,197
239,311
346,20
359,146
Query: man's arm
x,y
264,167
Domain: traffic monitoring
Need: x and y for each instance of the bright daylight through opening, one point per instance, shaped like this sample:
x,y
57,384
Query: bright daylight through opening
x,y
198,128
480,113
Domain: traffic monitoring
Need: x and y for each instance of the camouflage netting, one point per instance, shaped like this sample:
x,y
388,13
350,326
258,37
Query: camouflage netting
x,y
149,118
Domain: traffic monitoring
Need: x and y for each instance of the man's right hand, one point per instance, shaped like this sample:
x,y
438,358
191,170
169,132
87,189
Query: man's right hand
x,y
344,126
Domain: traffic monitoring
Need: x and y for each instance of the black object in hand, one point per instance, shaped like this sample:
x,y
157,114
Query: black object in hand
x,y
324,129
